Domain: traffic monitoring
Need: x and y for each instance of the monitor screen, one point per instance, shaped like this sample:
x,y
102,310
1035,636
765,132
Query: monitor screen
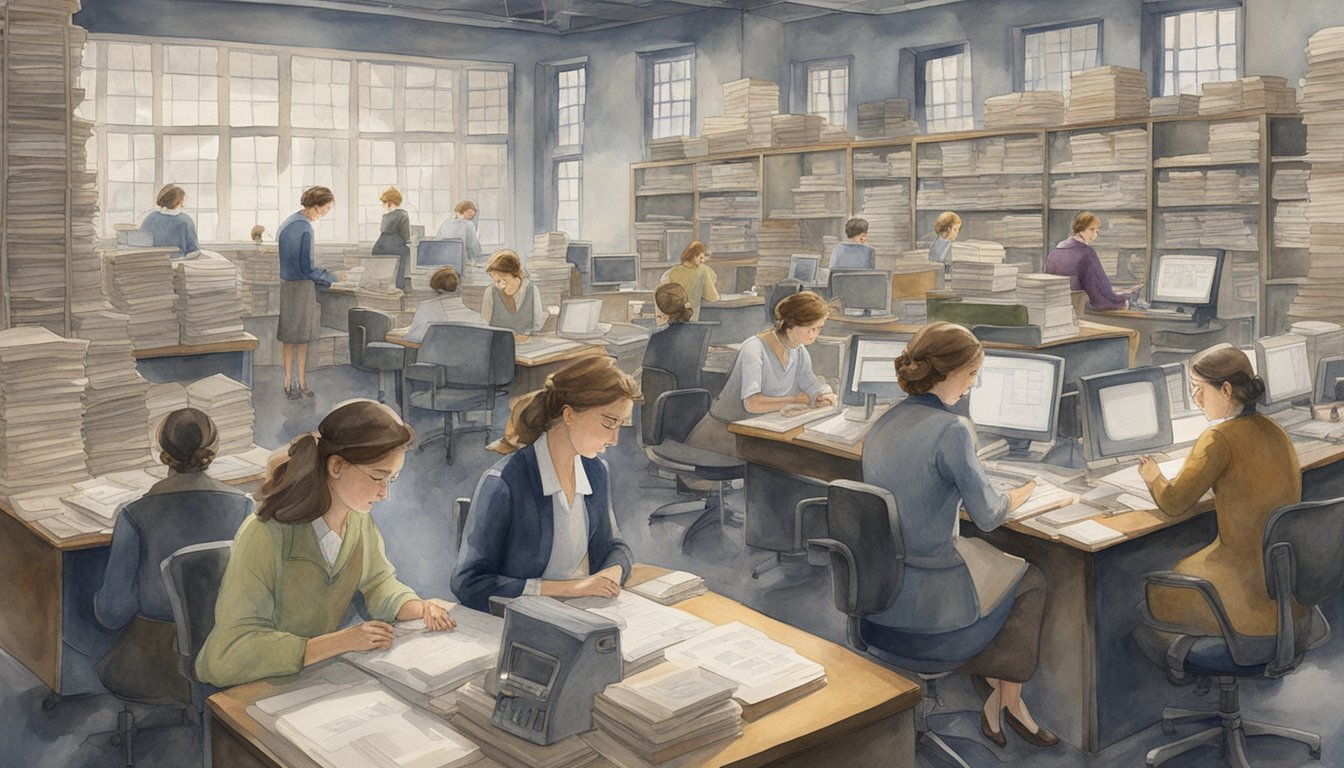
x,y
865,290
1329,379
803,268
613,270
871,369
579,316
1017,395
578,254
1125,412
1188,279
530,669
417,231
1178,388
440,252
1286,372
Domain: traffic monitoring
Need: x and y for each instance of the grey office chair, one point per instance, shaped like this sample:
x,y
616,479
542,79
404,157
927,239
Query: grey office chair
x,y
466,368
369,350
1301,546
777,293
680,349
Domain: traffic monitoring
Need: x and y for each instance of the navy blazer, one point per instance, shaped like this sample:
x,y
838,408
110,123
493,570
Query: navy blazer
x,y
509,530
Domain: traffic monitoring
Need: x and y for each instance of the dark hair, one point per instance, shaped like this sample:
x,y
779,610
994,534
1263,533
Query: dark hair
x,y
1083,220
505,262
672,301
798,309
1224,363
464,206
936,351
187,440
360,431
316,197
589,382
170,196
855,227
444,280
693,250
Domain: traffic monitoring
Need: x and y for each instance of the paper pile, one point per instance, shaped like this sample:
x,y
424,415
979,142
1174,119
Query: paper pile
x,y
141,285
1032,109
114,400
677,148
209,308
475,708
984,279
671,587
1321,297
647,628
886,118
1175,104
662,714
228,403
547,267
672,179
1108,93
1048,304
767,673
42,384
1257,92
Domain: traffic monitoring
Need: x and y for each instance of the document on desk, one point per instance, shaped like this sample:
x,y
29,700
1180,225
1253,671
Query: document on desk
x,y
1090,533
777,422
538,347
838,429
1318,430
1044,498
762,668
1128,479
647,628
432,663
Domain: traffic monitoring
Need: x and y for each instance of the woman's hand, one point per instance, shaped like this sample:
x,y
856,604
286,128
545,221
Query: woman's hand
x,y
435,617
803,397
598,585
368,636
1148,469
1019,495
827,398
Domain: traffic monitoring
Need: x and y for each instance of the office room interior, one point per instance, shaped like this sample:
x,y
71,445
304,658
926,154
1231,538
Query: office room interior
x,y
671,382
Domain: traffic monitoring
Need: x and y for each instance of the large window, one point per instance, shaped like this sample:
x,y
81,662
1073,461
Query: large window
x,y
671,88
244,129
945,90
1198,47
1052,55
571,96
568,204
565,147
828,91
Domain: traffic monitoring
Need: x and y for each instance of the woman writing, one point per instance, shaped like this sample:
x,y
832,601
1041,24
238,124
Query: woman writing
x,y
1075,259
513,302
394,233
298,562
541,520
299,277
694,275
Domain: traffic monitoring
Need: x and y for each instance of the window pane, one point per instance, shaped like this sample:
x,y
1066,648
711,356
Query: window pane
x,y
1205,48
487,102
671,93
568,182
254,195
487,185
130,179
571,99
190,85
324,162
1053,55
947,94
320,93
254,89
192,163
429,99
376,84
130,85
430,172
377,172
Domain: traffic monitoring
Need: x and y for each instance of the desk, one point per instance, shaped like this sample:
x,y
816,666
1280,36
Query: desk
x,y
738,317
1093,687
863,717
529,374
335,303
184,362
1178,336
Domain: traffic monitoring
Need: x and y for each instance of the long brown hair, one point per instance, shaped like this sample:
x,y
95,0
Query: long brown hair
x,y
505,262
360,431
589,382
936,351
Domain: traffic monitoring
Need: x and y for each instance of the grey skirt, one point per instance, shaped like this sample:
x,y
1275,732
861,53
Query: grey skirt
x,y
300,318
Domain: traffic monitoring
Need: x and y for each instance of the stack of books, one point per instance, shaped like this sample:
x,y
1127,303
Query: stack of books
x,y
1032,109
1125,230
647,628
114,400
677,148
659,235
776,241
768,674
982,251
1257,92
1216,186
1115,189
140,283
796,130
748,97
736,134
731,237
259,280
1234,141
821,189
742,206
1108,93
886,208
984,280
229,404
476,707
665,713
673,179
728,177
209,307
1175,104
1290,183
872,166
548,269
671,587
1291,227
42,385
1106,151
1049,307
886,118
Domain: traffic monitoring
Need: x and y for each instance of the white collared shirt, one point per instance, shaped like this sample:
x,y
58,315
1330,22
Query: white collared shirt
x,y
569,544
327,541
170,211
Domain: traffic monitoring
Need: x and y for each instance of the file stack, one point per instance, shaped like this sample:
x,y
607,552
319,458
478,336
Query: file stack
x,y
1105,150
741,206
984,280
1216,186
1290,183
731,237
1321,297
1020,230
872,166
1119,189
42,383
114,400
976,193
835,134
1032,109
1175,104
981,251
1291,227
677,148
161,400
229,405
1259,92
671,587
886,208
424,665
1235,141
654,235
1049,307
476,707
140,283
796,130
748,107
259,281
768,674
474,283
886,118
101,497
670,179
669,711
1108,93
728,177
776,241
1125,230
548,269
821,191
209,308
750,98
647,628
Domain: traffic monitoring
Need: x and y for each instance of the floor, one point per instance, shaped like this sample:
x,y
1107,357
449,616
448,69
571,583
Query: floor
x,y
417,523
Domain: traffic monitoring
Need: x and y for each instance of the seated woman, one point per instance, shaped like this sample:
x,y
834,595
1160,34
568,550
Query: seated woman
x,y
672,310
772,370
171,227
541,522
945,229
694,275
513,302
394,234
1075,259
298,562
187,507
925,455
447,307
1249,462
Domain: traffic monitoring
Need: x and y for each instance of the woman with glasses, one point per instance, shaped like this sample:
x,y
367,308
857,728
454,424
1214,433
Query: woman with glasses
x,y
312,544
541,522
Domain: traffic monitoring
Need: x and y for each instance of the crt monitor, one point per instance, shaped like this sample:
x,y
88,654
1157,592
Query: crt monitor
x,y
578,254
870,369
613,270
1187,281
1016,397
1125,412
1329,379
1178,389
1282,362
803,268
866,292
441,252
580,317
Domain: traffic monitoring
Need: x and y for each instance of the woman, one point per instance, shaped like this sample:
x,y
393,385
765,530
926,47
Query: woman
x,y
1249,462
513,302
772,370
463,227
171,227
694,275
297,563
945,229
299,276
672,310
541,521
1075,259
925,455
394,233
447,307
188,507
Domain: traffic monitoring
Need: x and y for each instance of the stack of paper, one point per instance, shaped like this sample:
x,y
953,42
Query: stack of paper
x,y
100,498
796,130
229,404
728,177
776,241
1290,183
653,235
259,280
982,251
141,285
748,97
736,134
547,267
35,506
886,208
1291,227
114,401
42,385
475,708
672,179
1259,92
647,628
995,155
731,237
1175,104
677,148
1321,297
978,193
1090,533
873,166
984,279
1122,189
433,663
1032,109
886,118
161,400
662,714
1234,141
239,466
1108,93
1021,230
821,189
209,307
1048,304
742,206
1090,152
768,674
671,587
1231,230
1215,186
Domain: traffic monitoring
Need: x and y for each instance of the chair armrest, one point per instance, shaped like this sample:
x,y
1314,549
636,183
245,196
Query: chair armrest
x,y
1236,642
1285,647
844,586
799,510
427,372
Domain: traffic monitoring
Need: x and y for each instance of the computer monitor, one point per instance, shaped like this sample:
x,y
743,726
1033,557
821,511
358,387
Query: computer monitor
x,y
579,318
1178,389
1329,379
1187,281
870,369
866,292
803,268
578,254
1125,412
417,231
1017,397
613,270
1283,362
434,253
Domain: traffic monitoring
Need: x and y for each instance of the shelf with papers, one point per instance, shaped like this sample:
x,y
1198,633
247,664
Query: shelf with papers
x,y
1176,162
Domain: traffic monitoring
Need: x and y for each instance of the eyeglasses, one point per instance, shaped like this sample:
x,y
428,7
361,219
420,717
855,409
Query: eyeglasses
x,y
383,481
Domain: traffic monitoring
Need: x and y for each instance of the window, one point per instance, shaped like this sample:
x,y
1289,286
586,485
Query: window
x,y
190,85
254,185
571,97
1198,47
487,175
192,163
430,172
946,90
254,89
88,81
376,82
377,172
1051,56
565,148
130,85
487,102
130,178
828,91
670,92
568,179
429,99
319,93
319,162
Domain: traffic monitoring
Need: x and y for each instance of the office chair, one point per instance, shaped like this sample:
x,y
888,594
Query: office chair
x,y
777,293
1027,335
466,367
867,558
673,359
1301,547
369,350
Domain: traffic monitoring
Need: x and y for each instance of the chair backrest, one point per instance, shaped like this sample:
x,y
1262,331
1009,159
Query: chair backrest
x,y
1307,538
777,293
653,382
680,349
676,413
1029,335
366,326
192,576
866,551
471,355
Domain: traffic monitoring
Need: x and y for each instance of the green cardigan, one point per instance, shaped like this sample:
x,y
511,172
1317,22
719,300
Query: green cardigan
x,y
278,592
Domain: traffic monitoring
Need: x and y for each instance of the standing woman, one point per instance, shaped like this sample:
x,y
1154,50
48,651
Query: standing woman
x,y
541,520
297,563
299,277
170,226
513,302
925,455
945,228
694,274
1074,258
394,233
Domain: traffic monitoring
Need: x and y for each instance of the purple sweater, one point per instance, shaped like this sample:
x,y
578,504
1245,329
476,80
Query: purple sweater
x,y
1076,260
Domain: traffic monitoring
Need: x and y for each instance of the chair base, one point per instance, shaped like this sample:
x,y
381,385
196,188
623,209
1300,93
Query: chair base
x,y
926,709
127,728
1231,728
449,432
777,560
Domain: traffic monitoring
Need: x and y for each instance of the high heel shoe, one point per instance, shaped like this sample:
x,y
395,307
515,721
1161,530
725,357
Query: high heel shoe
x,y
290,393
997,737
1040,738
306,391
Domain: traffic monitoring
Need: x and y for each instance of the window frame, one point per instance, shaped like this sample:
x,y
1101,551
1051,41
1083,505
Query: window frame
x,y
650,60
1157,13
802,72
967,83
1020,45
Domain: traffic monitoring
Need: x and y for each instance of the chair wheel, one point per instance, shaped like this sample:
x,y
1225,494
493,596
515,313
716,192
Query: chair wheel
x,y
49,703
1315,754
1168,727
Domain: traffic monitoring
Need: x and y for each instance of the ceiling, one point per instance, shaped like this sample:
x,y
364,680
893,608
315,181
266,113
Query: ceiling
x,y
567,16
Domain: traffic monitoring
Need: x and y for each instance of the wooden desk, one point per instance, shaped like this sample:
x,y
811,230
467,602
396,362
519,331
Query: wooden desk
x,y
1088,332
183,362
863,717
530,373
